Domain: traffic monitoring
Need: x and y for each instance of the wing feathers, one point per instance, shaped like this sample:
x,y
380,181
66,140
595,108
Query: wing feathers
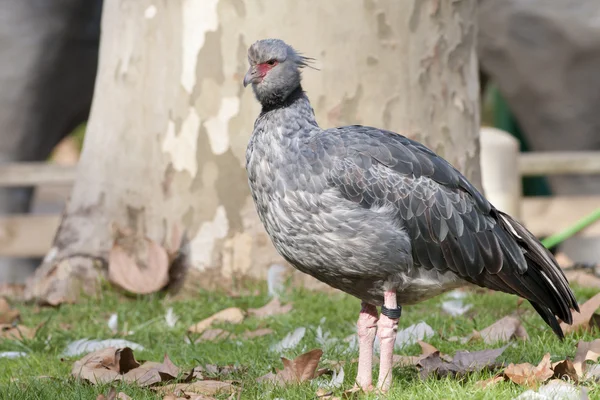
x,y
451,226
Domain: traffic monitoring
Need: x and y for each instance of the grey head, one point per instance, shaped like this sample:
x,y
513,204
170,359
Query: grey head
x,y
274,71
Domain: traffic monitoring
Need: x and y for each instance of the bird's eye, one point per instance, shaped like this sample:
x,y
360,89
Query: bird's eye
x,y
272,62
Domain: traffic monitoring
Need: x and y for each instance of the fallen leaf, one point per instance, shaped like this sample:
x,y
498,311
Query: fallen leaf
x,y
215,371
274,307
105,365
530,375
17,332
490,382
137,265
555,390
151,372
581,320
232,315
85,346
290,341
462,363
12,354
586,351
565,369
592,373
324,339
112,395
303,368
276,276
113,323
406,361
455,307
7,314
337,380
413,334
426,348
170,318
456,294
503,330
207,387
257,333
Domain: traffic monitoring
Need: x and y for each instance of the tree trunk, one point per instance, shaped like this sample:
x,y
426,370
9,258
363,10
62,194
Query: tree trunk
x,y
170,121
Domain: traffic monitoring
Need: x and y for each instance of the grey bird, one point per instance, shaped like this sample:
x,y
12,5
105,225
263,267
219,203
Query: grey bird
x,y
380,216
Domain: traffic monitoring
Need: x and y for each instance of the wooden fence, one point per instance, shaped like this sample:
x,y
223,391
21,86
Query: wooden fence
x,y
31,235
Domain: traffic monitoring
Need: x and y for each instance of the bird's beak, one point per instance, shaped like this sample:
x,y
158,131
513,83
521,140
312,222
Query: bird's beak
x,y
251,76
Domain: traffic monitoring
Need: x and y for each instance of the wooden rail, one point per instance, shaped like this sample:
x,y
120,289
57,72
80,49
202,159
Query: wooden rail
x,y
34,174
27,235
530,164
559,163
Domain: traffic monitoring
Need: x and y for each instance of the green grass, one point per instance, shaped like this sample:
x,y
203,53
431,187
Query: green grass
x,y
145,315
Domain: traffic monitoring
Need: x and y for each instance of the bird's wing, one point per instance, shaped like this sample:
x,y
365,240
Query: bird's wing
x,y
451,226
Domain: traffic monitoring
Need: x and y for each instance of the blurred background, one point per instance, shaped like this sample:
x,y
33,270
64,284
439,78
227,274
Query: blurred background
x,y
538,61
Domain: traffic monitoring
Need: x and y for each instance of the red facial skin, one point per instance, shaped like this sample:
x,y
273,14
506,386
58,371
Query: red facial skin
x,y
264,68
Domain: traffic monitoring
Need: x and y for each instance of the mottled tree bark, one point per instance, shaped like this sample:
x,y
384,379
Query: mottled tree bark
x,y
441,81
171,120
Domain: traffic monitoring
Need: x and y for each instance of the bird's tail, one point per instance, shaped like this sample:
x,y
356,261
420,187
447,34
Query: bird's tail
x,y
543,267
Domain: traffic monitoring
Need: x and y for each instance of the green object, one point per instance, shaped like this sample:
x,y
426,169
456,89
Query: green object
x,y
560,237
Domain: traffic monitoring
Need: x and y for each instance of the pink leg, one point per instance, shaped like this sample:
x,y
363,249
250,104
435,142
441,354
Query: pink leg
x,y
367,327
386,329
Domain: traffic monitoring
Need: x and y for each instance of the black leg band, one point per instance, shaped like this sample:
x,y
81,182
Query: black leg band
x,y
393,313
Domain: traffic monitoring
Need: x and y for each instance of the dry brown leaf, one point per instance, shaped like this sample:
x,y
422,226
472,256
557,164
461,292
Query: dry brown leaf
x,y
151,372
257,333
426,348
586,351
407,361
138,266
581,320
490,382
207,387
461,364
7,314
503,330
592,373
530,375
17,332
303,368
232,315
218,370
274,307
105,365
112,395
565,369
